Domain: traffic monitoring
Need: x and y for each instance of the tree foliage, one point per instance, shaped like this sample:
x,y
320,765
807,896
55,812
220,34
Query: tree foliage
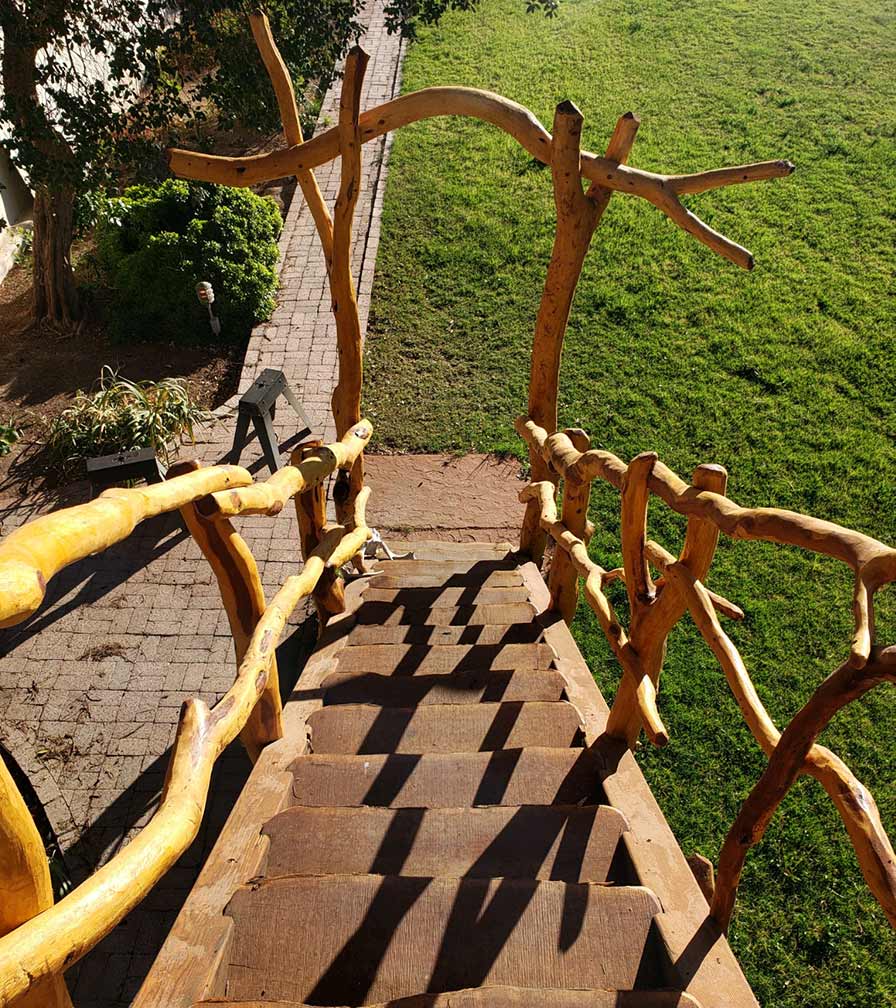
x,y
94,88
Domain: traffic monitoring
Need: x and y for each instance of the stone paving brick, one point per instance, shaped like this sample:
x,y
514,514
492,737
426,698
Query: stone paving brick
x,y
93,683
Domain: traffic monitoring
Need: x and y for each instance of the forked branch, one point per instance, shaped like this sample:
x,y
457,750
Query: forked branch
x,y
662,191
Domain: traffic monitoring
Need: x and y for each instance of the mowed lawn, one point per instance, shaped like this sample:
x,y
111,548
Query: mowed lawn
x,y
785,375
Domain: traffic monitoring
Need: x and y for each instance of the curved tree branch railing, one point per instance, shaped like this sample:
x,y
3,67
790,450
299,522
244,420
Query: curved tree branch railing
x,y
655,609
36,951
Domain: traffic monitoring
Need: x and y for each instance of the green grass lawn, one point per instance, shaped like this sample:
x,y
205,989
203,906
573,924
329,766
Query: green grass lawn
x,y
785,375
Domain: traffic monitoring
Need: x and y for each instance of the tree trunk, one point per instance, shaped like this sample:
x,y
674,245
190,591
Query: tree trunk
x,y
55,292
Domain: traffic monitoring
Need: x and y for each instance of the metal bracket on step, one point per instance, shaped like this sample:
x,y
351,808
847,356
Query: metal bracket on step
x,y
370,551
375,542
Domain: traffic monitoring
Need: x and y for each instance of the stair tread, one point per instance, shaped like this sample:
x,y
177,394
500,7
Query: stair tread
x,y
531,776
424,577
444,728
442,597
508,633
371,937
390,614
461,687
509,997
423,659
568,843
447,567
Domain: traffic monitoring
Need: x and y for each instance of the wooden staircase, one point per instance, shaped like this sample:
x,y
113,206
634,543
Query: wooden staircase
x,y
442,833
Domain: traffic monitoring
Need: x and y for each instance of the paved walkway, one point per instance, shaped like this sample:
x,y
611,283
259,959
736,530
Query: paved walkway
x,y
91,687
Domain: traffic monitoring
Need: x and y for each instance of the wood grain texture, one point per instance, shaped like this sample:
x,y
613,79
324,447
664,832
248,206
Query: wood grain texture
x,y
448,728
435,659
532,776
483,686
481,634
512,997
388,614
371,938
560,843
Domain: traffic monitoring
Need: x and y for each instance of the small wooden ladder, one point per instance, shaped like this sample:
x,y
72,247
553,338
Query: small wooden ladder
x,y
446,836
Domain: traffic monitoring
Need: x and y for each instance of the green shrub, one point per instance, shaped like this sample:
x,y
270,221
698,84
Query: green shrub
x,y
155,243
123,415
9,434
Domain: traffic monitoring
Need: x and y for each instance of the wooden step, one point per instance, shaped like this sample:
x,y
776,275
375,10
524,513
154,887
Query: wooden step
x,y
532,776
424,578
438,659
351,939
441,551
440,598
387,614
444,569
460,688
444,728
510,997
514,633
562,843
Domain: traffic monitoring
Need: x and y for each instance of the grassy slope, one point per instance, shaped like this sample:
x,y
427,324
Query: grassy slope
x,y
786,375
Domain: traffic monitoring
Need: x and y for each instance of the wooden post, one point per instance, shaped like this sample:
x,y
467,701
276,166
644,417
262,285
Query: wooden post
x,y
25,886
243,598
563,581
578,215
347,394
653,615
292,130
311,511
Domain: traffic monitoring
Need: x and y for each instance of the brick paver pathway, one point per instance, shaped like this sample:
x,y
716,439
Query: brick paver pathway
x,y
90,688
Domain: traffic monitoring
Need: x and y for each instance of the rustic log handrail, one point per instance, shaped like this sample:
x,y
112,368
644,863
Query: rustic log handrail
x,y
59,936
270,497
641,651
31,555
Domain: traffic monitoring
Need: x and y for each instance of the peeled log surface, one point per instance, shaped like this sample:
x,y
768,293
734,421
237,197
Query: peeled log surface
x,y
389,614
304,472
461,688
660,190
435,659
561,843
449,728
369,938
532,776
32,554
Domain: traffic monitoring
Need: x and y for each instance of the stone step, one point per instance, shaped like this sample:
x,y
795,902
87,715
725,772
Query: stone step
x,y
460,688
351,939
532,776
439,659
562,843
443,728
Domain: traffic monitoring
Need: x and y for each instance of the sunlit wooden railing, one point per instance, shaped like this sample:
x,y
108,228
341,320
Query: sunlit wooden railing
x,y
655,608
44,940
41,939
